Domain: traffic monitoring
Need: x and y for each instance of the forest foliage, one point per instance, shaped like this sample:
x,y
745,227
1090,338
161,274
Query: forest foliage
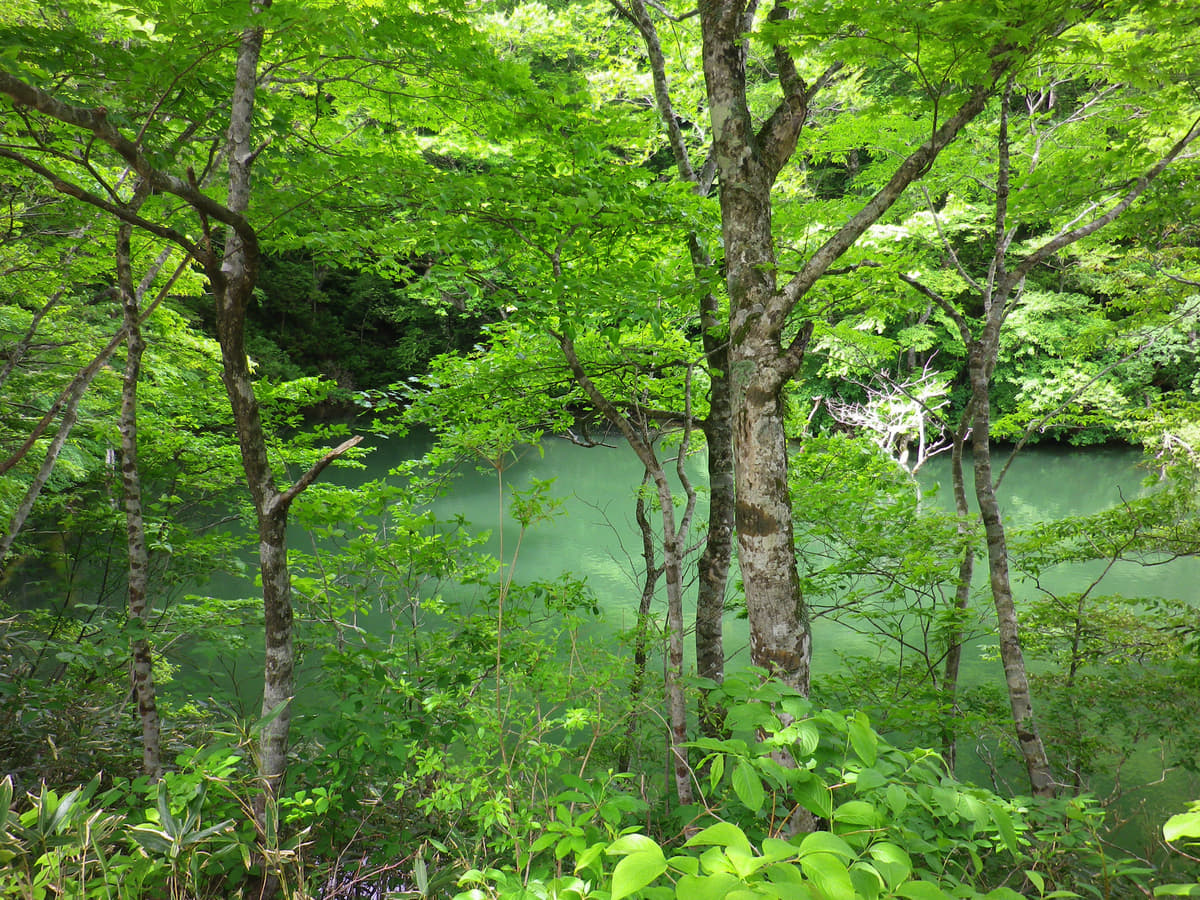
x,y
813,245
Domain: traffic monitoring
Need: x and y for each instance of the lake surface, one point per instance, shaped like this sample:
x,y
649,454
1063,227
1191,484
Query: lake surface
x,y
595,537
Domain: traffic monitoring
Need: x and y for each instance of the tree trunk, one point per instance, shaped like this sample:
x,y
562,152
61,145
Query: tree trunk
x,y
68,403
962,597
652,572
780,638
672,564
1029,739
141,664
233,287
713,567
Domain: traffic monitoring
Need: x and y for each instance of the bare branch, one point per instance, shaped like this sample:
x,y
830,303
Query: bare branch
x,y
283,500
96,121
1137,188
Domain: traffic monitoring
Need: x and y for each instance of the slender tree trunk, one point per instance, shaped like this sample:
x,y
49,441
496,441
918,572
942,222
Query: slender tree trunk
x,y
672,565
233,287
962,598
652,572
713,567
1029,739
68,404
142,663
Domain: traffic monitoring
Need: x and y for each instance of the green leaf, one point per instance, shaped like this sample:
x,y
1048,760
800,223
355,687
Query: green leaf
x,y
636,871
706,887
151,839
857,812
723,834
808,738
1005,825
829,874
892,862
921,890
815,796
748,786
824,842
716,771
1177,890
1182,825
863,738
633,843
869,780
1037,880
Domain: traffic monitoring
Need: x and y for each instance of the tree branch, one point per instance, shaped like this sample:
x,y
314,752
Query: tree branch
x,y
636,13
912,168
1066,238
125,215
95,120
964,329
283,500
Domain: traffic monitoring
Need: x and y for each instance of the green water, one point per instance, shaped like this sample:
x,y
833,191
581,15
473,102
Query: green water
x,y
595,537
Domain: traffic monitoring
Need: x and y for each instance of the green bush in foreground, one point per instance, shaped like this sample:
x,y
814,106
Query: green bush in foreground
x,y
890,824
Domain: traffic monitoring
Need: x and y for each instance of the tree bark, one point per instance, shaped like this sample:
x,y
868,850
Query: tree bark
x,y
761,361
232,277
672,565
233,286
142,663
1029,739
651,572
713,567
714,562
962,597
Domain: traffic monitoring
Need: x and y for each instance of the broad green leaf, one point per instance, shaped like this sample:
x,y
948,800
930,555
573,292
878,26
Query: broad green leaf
x,y
863,738
868,883
892,862
921,890
824,842
1182,825
1036,880
775,849
748,786
723,834
869,780
688,865
636,871
633,843
857,812
706,887
808,738
588,856
829,874
815,796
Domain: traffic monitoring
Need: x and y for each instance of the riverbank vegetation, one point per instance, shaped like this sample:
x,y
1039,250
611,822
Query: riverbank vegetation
x,y
782,256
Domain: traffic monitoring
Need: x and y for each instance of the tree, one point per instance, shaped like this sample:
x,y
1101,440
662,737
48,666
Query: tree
x,y
229,253
766,342
993,296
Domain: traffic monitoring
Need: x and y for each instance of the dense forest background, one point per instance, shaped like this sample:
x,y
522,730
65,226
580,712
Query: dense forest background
x,y
280,278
